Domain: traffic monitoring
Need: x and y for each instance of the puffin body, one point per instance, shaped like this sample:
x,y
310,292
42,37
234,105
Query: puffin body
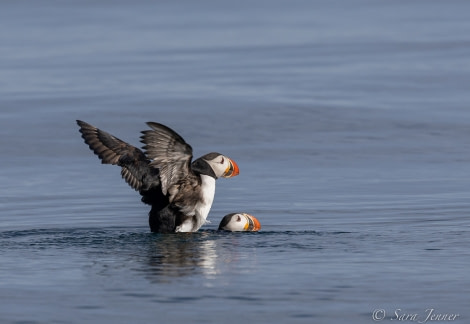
x,y
180,192
239,222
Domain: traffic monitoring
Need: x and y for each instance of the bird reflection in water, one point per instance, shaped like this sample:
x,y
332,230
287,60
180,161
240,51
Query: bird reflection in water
x,y
171,256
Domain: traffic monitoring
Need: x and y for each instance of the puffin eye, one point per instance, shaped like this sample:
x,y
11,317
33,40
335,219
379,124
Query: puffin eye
x,y
222,162
239,219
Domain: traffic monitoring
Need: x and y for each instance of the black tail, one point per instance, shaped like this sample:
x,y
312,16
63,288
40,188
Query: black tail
x,y
162,220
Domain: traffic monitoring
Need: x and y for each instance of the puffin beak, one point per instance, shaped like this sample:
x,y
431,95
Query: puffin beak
x,y
252,224
232,169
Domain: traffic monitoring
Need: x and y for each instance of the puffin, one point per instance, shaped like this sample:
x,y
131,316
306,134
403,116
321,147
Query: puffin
x,y
180,191
239,222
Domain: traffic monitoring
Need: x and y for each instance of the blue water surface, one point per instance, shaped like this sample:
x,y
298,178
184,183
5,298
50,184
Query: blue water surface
x,y
349,121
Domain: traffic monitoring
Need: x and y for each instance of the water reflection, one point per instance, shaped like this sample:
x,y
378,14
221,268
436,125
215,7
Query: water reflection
x,y
156,257
172,255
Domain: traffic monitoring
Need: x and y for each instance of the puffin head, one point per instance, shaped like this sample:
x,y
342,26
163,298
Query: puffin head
x,y
239,222
215,165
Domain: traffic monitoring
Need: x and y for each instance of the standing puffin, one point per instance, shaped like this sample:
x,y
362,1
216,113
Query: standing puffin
x,y
180,192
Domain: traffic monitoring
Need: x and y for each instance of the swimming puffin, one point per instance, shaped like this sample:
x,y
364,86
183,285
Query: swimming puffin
x,y
239,222
179,192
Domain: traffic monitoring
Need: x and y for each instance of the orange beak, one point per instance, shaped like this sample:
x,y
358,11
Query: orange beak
x,y
253,225
232,170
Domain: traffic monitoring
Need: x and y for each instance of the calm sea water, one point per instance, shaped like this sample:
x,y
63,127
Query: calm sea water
x,y
350,121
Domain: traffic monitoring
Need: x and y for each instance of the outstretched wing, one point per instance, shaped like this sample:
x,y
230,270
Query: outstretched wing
x,y
168,152
111,150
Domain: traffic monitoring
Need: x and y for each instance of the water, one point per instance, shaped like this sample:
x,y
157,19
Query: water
x,y
350,124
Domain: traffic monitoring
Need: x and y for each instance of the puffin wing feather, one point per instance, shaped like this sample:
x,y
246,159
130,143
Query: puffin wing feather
x,y
111,150
168,152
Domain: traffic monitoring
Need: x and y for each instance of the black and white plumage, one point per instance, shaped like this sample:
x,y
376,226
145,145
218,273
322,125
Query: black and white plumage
x,y
180,192
239,222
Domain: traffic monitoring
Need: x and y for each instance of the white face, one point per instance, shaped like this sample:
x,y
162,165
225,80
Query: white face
x,y
223,166
240,222
237,223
